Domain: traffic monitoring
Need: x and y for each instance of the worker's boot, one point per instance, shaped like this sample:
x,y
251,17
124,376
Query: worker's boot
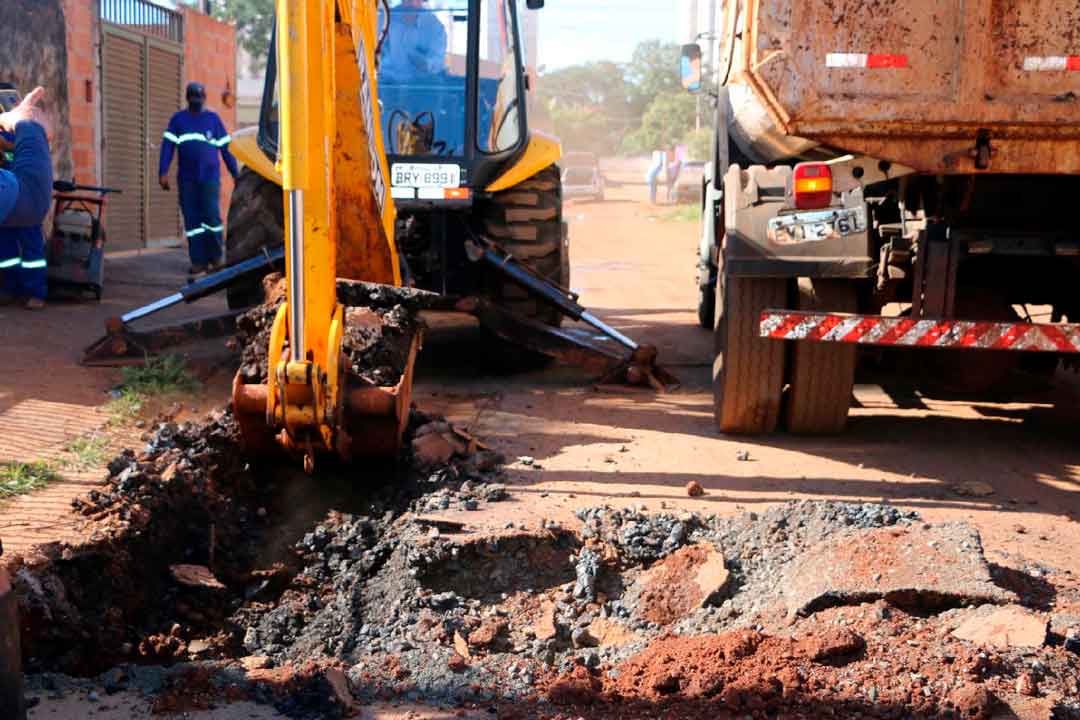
x,y
34,304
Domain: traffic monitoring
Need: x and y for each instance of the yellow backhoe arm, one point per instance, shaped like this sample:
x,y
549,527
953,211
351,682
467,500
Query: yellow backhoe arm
x,y
334,176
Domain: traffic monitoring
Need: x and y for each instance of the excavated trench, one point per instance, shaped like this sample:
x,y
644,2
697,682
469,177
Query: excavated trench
x,y
188,530
184,536
485,570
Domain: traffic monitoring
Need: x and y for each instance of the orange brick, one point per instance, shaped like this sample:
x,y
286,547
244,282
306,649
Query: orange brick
x,y
82,134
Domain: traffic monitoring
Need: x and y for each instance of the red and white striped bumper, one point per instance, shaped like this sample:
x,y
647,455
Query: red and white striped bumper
x,y
906,332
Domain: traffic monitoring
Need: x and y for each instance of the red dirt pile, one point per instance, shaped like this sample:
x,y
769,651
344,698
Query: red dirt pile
x,y
823,674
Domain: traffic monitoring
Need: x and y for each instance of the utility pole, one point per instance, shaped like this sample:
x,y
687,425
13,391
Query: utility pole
x,y
712,38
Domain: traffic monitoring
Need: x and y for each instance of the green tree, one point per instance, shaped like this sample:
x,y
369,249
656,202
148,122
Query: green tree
x,y
700,143
254,20
668,119
601,84
585,129
653,71
593,88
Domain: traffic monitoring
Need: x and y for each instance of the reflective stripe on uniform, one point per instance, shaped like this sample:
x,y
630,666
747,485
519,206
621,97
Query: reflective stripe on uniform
x,y
33,264
9,263
213,228
196,137
196,231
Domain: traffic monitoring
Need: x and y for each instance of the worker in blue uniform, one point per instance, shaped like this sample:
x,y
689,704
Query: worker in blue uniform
x,y
25,197
198,137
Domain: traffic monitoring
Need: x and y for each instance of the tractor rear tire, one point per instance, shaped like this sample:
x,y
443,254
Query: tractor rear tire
x,y
527,222
822,375
748,371
256,221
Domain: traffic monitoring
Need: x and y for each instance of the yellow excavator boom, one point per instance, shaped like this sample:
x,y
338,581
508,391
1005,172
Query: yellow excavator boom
x,y
334,177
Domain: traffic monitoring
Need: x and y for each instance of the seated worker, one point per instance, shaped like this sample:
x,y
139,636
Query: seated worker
x,y
25,198
416,44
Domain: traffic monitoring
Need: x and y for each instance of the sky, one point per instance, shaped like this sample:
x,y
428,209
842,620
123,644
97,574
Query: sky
x,y
577,31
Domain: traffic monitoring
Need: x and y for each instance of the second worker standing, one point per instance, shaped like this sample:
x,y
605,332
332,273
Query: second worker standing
x,y
198,136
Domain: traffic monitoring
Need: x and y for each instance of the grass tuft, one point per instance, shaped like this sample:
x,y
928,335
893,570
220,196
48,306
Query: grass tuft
x,y
162,375
19,478
684,213
125,407
85,453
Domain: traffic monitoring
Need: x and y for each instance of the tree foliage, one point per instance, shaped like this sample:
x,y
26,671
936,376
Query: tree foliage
x,y
635,107
667,121
582,129
254,20
589,105
653,71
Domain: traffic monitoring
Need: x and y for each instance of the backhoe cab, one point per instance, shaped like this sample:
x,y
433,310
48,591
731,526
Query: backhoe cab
x,y
452,90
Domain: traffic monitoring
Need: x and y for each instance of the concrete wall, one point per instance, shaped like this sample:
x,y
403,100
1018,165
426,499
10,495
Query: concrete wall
x,y
210,58
34,52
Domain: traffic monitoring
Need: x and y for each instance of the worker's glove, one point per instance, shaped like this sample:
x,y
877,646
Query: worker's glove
x,y
164,182
28,109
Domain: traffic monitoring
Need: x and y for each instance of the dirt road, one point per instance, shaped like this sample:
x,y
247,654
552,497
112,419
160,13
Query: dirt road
x,y
1011,468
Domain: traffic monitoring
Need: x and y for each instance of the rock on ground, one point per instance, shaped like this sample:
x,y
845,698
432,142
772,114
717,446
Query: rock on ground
x,y
1002,627
931,566
680,583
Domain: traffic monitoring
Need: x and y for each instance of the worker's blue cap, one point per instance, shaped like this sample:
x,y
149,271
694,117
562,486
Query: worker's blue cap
x,y
195,90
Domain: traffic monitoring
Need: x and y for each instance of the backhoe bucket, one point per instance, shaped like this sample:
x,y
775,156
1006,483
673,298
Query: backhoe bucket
x,y
371,419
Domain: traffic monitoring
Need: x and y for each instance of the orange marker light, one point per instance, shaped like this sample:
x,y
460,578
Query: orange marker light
x,y
813,186
456,194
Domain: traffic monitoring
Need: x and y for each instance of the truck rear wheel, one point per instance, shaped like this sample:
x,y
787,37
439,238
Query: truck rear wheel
x,y
256,221
822,375
526,220
748,371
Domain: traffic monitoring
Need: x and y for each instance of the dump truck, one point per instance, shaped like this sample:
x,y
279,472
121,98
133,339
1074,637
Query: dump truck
x,y
892,176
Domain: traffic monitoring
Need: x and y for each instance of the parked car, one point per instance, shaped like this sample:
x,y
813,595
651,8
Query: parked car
x,y
583,181
689,186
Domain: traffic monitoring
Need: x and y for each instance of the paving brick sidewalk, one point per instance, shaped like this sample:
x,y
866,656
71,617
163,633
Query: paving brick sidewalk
x,y
47,399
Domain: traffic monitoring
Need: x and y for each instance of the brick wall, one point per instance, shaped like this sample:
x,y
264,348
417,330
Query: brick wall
x,y
210,58
84,92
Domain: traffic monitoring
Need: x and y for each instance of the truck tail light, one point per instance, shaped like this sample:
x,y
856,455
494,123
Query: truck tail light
x,y
813,186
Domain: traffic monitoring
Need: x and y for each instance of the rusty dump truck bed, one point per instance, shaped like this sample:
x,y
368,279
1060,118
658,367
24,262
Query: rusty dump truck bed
x,y
917,82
